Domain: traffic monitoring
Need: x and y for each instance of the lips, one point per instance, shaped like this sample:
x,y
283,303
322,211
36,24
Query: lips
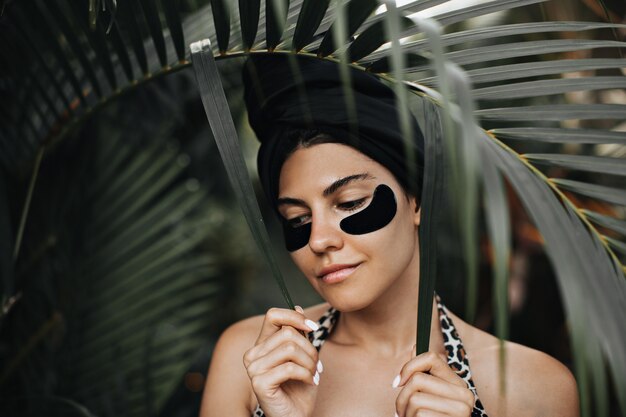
x,y
337,272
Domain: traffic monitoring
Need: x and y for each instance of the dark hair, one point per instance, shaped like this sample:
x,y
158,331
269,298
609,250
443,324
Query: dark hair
x,y
287,109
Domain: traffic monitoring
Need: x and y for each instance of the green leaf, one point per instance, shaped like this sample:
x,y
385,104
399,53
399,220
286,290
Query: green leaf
x,y
384,64
122,52
35,79
431,221
617,245
605,221
499,232
373,38
558,135
541,88
151,14
534,69
556,112
491,33
76,47
218,114
519,49
172,16
128,13
249,15
25,42
275,21
609,194
603,165
462,14
595,306
95,38
407,8
357,12
309,19
221,20
143,172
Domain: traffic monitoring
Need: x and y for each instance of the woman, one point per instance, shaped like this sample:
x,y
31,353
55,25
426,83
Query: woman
x,y
349,204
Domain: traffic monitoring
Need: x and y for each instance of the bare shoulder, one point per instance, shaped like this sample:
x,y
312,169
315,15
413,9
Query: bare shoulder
x,y
228,386
536,383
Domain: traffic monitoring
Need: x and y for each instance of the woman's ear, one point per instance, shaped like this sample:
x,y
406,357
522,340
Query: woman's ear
x,y
417,209
418,216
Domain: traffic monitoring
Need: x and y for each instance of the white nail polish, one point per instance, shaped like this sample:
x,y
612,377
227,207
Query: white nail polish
x,y
311,325
320,367
316,378
396,382
395,415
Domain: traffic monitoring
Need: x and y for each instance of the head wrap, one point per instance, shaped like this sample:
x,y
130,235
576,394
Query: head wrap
x,y
280,101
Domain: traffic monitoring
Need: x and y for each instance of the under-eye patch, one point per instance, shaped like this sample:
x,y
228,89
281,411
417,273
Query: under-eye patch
x,y
296,237
379,213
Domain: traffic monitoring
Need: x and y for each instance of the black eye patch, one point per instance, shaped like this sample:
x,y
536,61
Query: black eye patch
x,y
377,215
381,210
296,237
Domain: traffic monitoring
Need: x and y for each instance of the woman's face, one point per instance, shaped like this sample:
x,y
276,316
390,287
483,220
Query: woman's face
x,y
326,183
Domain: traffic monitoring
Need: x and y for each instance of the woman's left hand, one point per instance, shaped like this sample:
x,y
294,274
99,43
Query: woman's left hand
x,y
430,388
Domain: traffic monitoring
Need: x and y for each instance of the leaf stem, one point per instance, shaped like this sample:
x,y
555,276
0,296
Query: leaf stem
x,y
29,197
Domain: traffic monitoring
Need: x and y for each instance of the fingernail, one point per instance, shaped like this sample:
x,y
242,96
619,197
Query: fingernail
x,y
320,367
311,325
299,309
396,382
316,378
395,415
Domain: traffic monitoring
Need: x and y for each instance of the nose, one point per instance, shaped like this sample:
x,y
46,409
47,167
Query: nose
x,y
325,234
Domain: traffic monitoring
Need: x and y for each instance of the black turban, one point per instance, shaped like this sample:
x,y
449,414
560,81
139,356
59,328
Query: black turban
x,y
277,107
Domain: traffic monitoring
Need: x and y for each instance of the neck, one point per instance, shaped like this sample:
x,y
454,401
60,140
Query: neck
x,y
388,326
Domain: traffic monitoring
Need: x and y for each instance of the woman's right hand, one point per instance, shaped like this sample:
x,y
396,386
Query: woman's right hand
x,y
283,365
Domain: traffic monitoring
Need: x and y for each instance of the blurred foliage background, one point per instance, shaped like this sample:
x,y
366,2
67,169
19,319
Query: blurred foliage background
x,y
134,256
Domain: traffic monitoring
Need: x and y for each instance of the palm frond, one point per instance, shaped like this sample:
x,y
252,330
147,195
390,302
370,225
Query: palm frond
x,y
67,70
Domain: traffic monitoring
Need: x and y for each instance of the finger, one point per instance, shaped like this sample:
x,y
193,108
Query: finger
x,y
420,402
428,384
432,363
287,352
276,318
428,413
284,335
289,371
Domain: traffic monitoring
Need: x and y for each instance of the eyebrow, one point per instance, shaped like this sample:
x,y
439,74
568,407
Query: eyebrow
x,y
342,182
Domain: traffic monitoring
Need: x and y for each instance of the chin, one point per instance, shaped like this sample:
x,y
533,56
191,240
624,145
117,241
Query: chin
x,y
346,301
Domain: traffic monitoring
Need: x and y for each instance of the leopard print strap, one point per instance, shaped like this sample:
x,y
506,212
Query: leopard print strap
x,y
457,357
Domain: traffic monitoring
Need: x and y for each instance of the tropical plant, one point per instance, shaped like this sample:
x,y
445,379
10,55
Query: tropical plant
x,y
64,65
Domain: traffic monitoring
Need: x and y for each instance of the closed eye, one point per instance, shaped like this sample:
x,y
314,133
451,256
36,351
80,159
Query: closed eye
x,y
299,221
352,205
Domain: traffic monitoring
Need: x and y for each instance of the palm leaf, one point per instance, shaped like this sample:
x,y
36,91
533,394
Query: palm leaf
x,y
221,18
558,135
309,19
357,12
609,194
151,14
599,164
249,15
306,28
276,18
172,16
606,221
